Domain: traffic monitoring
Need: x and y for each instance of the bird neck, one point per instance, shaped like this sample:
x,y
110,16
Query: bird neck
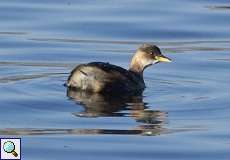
x,y
136,68
139,63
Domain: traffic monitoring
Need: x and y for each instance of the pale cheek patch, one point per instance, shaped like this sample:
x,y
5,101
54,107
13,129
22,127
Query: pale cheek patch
x,y
155,61
147,62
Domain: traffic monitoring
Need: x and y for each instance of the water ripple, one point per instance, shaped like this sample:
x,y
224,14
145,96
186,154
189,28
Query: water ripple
x,y
16,78
142,130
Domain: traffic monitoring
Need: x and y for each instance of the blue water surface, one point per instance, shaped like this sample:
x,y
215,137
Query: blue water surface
x,y
182,114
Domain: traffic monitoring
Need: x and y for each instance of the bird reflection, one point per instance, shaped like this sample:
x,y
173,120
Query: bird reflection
x,y
109,105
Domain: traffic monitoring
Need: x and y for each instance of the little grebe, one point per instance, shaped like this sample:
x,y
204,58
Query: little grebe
x,y
104,77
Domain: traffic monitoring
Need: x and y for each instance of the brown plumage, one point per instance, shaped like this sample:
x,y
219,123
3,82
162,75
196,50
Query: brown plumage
x,y
105,77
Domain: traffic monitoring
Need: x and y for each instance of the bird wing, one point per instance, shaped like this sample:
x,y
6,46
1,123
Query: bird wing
x,y
98,76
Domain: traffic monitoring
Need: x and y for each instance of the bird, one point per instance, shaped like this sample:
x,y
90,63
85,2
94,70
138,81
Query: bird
x,y
103,77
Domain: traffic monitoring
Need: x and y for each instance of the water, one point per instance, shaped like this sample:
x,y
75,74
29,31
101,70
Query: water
x,y
182,114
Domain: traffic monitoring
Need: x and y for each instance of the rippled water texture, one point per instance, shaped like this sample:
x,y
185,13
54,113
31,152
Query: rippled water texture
x,y
182,114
